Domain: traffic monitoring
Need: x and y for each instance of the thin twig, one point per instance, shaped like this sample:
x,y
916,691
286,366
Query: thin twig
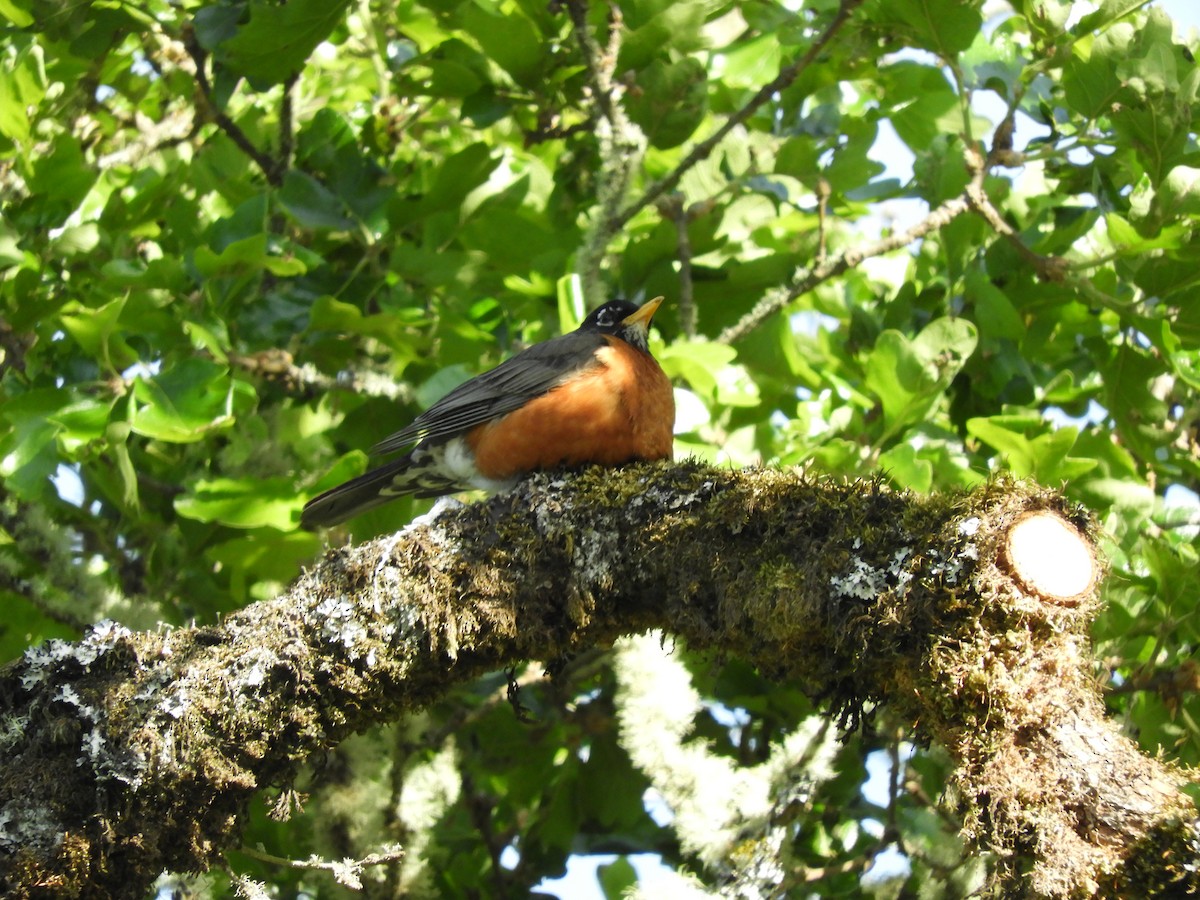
x,y
765,93
672,207
776,300
823,192
621,144
287,135
226,124
858,863
895,784
480,809
306,380
1172,684
172,130
346,871
974,198
547,130
1048,268
600,67
377,54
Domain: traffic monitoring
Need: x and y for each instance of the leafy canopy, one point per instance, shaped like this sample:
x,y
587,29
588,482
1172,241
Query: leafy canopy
x,y
242,241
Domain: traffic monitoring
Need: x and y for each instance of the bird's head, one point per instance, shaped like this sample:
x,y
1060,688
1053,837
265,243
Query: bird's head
x,y
623,319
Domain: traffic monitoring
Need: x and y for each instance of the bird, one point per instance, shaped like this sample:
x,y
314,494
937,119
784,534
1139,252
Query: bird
x,y
593,395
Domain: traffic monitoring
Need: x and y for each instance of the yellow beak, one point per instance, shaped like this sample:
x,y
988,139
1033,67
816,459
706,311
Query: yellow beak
x,y
644,314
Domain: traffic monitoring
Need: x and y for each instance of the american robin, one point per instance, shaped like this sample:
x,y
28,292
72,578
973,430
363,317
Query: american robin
x,y
595,395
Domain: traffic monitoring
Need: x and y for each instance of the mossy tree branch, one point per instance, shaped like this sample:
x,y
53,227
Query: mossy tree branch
x,y
128,753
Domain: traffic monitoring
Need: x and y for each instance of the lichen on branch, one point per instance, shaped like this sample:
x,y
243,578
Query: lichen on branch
x,y
141,751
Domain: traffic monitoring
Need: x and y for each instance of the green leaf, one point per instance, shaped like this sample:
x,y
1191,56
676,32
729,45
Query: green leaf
x,y
676,26
81,422
926,106
617,878
330,314
246,256
923,829
99,333
277,41
1150,69
1128,241
456,70
709,368
671,101
945,27
117,435
510,40
1012,444
851,168
1122,494
206,339
11,253
105,25
994,312
77,239
243,502
735,387
909,376
754,62
572,305
907,469
16,13
1090,80
1109,11
508,236
460,174
14,121
187,401
238,258
217,23
798,157
259,561
60,180
351,465
453,79
27,450
1179,193
610,789
312,204
1043,456
1140,412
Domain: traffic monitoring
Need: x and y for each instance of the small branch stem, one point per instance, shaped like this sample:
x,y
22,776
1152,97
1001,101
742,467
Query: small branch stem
x,y
823,191
263,161
672,207
621,144
287,135
831,268
702,150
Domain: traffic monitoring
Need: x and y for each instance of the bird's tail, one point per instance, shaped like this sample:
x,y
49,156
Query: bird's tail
x,y
399,477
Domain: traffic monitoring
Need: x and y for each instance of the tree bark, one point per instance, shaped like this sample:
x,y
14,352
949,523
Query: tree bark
x,y
128,753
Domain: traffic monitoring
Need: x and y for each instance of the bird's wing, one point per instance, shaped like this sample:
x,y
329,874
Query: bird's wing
x,y
373,489
509,386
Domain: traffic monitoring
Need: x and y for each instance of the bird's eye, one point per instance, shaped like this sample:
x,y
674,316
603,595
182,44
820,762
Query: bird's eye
x,y
605,318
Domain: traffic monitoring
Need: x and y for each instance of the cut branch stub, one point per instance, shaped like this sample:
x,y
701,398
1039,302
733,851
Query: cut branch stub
x,y
1050,558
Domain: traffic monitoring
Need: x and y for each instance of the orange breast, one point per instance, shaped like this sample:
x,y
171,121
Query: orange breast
x,y
620,410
